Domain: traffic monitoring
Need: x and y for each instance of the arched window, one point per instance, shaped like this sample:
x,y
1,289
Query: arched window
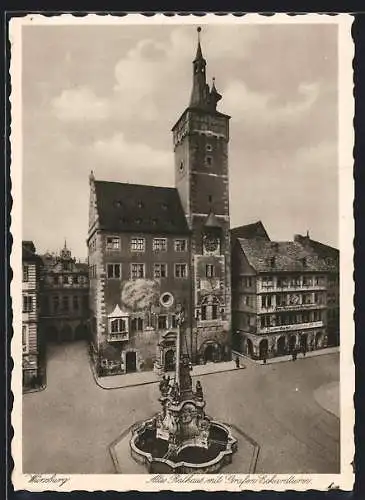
x,y
210,308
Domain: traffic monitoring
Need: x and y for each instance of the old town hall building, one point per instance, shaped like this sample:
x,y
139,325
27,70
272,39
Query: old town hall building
x,y
154,251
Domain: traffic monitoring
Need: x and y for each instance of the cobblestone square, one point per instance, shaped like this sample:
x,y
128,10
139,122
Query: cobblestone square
x,y
287,408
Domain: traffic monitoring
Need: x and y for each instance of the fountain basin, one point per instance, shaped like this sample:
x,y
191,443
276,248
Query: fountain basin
x,y
191,457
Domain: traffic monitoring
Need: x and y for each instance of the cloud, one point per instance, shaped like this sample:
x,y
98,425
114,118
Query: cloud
x,y
264,109
80,104
146,79
324,155
135,162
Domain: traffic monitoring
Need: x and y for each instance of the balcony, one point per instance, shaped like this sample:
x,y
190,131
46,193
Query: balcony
x,y
299,307
118,337
289,288
290,307
288,328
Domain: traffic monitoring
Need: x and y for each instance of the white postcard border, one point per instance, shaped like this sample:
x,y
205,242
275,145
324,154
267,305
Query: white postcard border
x,y
227,482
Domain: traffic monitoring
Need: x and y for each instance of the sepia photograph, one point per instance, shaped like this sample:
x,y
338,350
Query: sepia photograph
x,y
182,252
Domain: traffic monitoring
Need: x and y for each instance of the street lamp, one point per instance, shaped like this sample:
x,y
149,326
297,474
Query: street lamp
x,y
180,320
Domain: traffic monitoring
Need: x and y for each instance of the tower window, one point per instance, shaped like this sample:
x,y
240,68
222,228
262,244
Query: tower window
x,y
181,167
209,160
209,271
210,198
209,147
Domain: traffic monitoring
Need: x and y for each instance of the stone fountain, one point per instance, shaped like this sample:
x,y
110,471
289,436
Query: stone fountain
x,y
181,438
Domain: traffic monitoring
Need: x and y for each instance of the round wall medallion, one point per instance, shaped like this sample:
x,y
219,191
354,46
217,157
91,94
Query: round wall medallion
x,y
167,299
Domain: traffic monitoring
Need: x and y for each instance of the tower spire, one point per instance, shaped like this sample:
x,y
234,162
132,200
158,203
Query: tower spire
x,y
200,92
199,54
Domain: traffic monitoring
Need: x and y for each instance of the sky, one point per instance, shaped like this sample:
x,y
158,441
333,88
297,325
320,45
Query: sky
x,y
104,98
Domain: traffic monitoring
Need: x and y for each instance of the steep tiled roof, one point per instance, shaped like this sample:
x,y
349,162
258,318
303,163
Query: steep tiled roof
x,y
138,208
269,256
254,230
28,252
324,251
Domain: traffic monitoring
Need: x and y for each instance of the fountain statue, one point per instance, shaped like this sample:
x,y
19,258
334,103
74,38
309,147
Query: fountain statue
x,y
181,438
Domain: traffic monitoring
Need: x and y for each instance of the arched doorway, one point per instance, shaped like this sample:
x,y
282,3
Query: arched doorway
x,y
52,334
130,362
319,340
81,332
249,347
211,353
170,360
281,346
66,334
304,342
263,348
292,342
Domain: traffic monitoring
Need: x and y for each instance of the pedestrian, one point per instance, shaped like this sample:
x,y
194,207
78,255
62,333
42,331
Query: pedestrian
x,y
264,360
237,362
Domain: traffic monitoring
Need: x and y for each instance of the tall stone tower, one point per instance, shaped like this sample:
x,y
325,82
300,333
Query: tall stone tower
x,y
200,139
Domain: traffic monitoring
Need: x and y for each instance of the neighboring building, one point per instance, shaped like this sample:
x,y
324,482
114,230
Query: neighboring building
x,y
146,242
30,315
282,296
249,231
330,255
64,297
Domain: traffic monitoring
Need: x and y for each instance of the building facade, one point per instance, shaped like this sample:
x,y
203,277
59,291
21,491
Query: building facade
x,y
280,294
139,254
154,251
31,342
64,297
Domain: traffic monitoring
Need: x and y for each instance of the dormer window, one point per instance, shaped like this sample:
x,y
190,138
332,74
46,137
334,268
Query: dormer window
x,y
209,147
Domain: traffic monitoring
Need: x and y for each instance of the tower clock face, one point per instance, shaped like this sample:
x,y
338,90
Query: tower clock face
x,y
211,243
